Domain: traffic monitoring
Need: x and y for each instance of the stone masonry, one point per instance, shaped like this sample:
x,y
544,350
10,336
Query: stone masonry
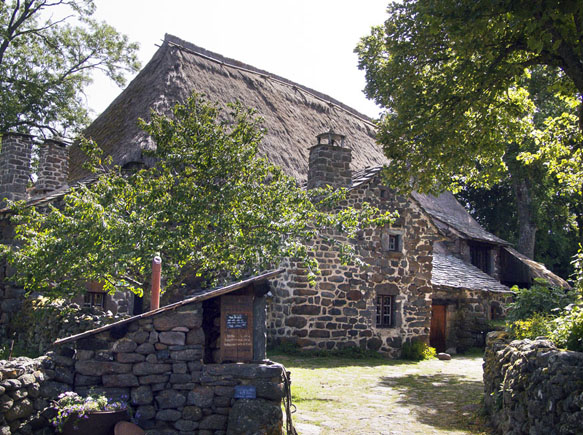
x,y
340,310
15,169
158,363
531,387
53,166
468,315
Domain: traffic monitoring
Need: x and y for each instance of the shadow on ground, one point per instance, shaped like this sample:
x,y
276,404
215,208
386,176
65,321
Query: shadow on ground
x,y
315,361
445,401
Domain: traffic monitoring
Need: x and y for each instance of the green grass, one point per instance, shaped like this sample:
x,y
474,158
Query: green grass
x,y
337,394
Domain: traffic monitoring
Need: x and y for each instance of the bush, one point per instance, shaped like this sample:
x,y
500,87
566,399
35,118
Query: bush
x,y
417,351
567,329
540,298
536,326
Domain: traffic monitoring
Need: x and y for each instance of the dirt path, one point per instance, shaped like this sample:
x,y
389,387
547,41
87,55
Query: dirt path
x,y
341,396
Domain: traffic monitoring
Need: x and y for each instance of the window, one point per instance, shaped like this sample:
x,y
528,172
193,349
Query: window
x,y
95,296
480,257
391,242
385,311
94,299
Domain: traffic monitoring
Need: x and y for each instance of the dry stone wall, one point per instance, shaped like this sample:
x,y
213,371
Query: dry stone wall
x,y
340,310
158,363
531,387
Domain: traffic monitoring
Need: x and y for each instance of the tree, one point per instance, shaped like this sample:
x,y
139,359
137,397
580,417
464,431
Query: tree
x,y
455,77
210,206
46,62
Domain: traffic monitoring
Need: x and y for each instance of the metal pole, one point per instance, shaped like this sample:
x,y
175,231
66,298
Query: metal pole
x,y
156,276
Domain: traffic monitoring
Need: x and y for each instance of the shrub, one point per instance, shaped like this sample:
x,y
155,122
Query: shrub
x,y
567,329
540,298
417,351
536,326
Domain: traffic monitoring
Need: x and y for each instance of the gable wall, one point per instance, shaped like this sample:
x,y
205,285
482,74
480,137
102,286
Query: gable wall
x,y
340,310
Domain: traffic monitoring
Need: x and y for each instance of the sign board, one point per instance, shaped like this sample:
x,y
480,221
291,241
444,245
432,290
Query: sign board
x,y
237,328
237,321
245,392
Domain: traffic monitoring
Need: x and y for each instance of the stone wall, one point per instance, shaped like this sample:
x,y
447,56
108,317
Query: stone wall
x,y
532,387
157,362
469,314
39,322
53,166
340,310
329,165
15,169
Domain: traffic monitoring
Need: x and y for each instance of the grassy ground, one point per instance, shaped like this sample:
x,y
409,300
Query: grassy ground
x,y
336,395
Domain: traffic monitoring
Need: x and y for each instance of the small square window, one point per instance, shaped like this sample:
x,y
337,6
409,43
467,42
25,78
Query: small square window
x,y
385,311
391,242
94,299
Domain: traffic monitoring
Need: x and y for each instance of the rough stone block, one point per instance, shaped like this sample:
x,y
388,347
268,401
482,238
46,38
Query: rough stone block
x,y
142,395
124,345
170,399
146,368
201,397
125,380
168,415
188,319
100,368
173,338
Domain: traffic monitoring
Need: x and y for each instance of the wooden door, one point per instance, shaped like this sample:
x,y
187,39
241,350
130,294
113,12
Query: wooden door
x,y
437,332
236,328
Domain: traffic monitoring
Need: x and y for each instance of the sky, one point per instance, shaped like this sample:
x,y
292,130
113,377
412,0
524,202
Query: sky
x,y
310,42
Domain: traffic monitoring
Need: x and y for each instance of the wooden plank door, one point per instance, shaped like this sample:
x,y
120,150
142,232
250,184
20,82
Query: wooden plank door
x,y
236,328
437,331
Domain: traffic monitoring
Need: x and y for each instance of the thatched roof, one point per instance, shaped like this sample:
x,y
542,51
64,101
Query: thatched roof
x,y
516,261
293,114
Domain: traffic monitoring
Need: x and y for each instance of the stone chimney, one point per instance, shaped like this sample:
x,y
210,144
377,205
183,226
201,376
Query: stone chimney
x,y
53,166
329,162
15,170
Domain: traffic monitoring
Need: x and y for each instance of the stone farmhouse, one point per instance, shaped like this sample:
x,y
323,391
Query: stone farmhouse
x,y
435,275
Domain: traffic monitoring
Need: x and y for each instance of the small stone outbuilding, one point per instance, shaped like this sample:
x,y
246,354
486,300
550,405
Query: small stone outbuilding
x,y
196,366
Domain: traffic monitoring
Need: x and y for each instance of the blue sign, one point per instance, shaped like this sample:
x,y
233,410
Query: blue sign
x,y
245,392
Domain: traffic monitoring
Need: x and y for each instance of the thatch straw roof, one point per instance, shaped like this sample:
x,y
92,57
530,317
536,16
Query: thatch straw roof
x,y
293,114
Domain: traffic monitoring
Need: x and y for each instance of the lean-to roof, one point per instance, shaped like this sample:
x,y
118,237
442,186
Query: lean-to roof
x,y
199,297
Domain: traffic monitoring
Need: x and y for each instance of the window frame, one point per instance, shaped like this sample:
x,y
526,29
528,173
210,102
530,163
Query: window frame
x,y
392,241
380,315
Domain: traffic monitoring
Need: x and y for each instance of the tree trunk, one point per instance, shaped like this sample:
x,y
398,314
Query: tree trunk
x,y
526,216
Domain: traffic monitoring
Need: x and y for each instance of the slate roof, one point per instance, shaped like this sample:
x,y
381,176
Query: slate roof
x,y
450,216
450,271
446,212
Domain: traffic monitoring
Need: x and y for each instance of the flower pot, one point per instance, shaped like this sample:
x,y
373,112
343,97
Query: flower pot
x,y
95,423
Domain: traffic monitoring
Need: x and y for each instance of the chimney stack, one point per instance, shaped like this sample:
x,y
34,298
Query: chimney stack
x,y
53,165
15,170
329,162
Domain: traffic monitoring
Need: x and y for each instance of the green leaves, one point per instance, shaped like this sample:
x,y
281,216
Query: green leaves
x,y
210,207
45,63
449,75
